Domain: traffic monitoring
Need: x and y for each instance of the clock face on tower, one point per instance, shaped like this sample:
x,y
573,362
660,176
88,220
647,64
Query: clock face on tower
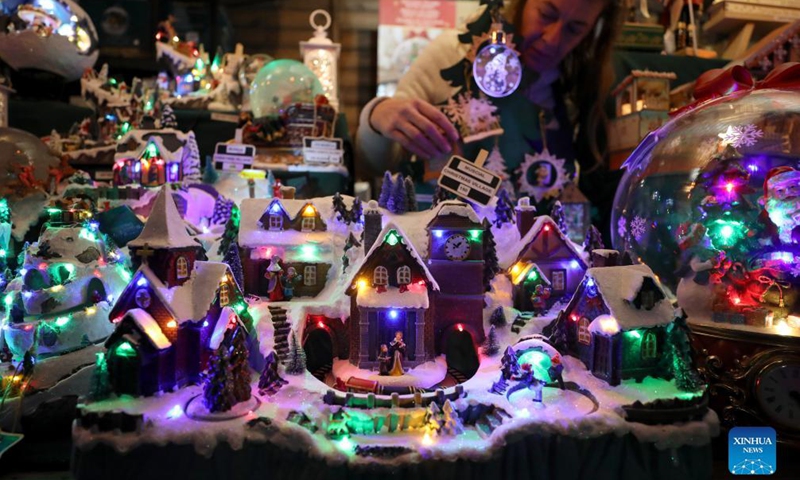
x,y
457,247
778,393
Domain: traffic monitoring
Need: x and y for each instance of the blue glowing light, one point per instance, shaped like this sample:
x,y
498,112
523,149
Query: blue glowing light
x,y
393,314
141,282
590,283
23,271
438,233
574,264
275,208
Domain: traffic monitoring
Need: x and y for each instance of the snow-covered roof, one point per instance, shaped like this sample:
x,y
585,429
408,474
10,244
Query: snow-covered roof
x,y
164,228
605,325
253,234
68,242
604,252
155,136
534,231
454,207
149,327
415,297
619,287
190,301
409,246
220,327
415,224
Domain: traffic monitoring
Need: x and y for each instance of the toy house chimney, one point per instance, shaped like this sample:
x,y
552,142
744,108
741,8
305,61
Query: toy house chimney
x,y
602,257
373,224
526,215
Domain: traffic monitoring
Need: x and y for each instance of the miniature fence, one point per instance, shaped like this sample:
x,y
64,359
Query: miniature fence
x,y
371,400
110,421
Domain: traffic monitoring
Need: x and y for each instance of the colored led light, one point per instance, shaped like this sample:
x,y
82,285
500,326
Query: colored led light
x,y
574,264
438,233
393,314
392,238
142,282
61,321
533,275
475,234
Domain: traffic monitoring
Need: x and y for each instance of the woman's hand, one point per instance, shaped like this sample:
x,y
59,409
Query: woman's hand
x,y
415,124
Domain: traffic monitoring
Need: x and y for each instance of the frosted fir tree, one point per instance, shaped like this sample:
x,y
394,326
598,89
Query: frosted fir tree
x,y
386,190
679,357
509,364
491,346
270,380
496,164
100,383
191,160
558,216
504,210
397,201
498,318
217,382
593,240
168,119
297,357
340,209
356,211
231,232
411,195
491,264
222,210
452,422
210,175
240,366
234,261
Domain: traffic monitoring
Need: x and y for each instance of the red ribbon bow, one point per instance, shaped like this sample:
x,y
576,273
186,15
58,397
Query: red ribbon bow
x,y
721,82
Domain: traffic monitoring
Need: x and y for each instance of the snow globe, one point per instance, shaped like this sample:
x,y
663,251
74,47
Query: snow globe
x,y
280,84
710,202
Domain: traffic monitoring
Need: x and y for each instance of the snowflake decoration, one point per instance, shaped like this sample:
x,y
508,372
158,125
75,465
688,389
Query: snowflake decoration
x,y
475,117
622,227
548,176
638,227
746,135
752,467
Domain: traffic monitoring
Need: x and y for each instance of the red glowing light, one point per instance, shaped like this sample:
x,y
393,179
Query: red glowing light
x,y
320,325
573,317
547,228
117,320
729,187
43,266
736,300
460,327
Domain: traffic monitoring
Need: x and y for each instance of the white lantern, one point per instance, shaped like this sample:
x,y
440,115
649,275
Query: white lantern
x,y
321,55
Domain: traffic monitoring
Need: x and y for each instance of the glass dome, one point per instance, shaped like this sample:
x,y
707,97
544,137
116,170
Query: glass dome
x,y
280,84
711,202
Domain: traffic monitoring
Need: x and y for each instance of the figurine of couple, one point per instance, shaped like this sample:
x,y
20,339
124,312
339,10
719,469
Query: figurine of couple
x,y
392,355
280,286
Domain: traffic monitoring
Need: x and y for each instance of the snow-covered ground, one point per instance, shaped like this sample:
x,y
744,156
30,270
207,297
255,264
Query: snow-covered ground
x,y
426,375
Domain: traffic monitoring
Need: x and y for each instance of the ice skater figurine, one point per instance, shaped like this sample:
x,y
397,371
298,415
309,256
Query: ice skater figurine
x,y
384,360
289,281
274,280
528,381
398,349
556,370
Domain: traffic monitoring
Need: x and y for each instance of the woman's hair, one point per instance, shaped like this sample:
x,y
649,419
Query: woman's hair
x,y
580,71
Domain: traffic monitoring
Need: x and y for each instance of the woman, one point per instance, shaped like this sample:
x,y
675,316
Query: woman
x,y
564,45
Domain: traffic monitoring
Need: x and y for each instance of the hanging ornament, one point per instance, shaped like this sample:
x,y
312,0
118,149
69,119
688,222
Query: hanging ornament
x,y
496,68
475,117
542,175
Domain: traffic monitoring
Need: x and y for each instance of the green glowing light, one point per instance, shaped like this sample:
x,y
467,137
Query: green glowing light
x,y
346,445
125,349
726,233
308,252
539,361
475,235
3,253
633,334
239,307
152,151
392,238
199,64
9,299
70,267
533,275
53,211
61,321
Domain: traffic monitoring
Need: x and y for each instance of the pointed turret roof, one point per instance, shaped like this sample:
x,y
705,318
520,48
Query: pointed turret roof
x,y
164,228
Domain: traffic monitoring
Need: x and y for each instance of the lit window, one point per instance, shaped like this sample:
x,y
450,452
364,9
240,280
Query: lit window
x,y
649,345
276,222
310,275
142,298
380,276
558,280
182,266
584,336
404,275
224,294
308,224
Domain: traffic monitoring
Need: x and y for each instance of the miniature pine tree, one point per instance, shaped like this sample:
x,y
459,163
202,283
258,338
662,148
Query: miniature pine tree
x,y
398,203
222,210
217,386
496,164
491,264
234,261
452,422
210,175
593,240
498,318
340,209
411,195
191,160
503,211
679,353
509,364
297,357
491,347
386,190
439,195
558,216
168,119
356,211
240,368
230,233
270,379
100,384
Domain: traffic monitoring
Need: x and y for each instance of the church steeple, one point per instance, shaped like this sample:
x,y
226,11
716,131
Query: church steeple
x,y
165,245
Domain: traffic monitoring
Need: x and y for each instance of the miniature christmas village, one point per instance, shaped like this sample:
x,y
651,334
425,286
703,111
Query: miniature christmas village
x,y
379,332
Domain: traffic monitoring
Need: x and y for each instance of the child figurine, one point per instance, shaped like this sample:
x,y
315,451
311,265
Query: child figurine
x,y
556,369
384,360
539,299
289,281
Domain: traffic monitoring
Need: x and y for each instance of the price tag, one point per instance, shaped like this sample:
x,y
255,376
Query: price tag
x,y
469,180
233,157
322,150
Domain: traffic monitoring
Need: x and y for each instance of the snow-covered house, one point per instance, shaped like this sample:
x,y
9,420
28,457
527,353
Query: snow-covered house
x,y
152,157
557,259
173,311
294,231
616,323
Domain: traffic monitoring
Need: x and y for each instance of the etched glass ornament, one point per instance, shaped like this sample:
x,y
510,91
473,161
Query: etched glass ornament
x,y
497,69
